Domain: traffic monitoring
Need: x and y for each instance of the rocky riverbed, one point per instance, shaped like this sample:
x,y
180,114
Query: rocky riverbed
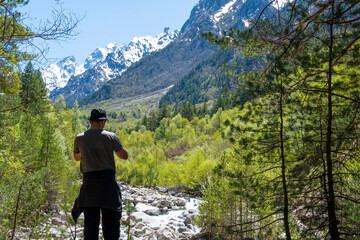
x,y
148,213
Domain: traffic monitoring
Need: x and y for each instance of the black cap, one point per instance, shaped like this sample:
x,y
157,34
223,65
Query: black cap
x,y
98,115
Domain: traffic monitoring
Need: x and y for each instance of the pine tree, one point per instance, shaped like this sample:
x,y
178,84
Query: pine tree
x,y
187,111
164,111
23,107
33,93
321,40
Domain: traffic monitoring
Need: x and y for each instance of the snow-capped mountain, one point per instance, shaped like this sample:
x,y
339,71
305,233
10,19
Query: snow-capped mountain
x,y
56,75
155,70
182,58
67,77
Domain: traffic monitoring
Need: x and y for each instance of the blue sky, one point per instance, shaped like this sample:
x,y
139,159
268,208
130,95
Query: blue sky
x,y
110,21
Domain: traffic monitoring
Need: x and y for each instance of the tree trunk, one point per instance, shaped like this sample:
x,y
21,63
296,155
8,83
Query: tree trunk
x,y
333,225
283,168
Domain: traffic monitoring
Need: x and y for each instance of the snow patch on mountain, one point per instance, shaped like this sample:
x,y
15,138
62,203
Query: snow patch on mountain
x,y
127,54
278,4
100,55
225,9
110,61
246,22
57,74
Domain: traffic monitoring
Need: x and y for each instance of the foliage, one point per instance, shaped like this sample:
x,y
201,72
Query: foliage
x,y
154,72
178,153
34,150
284,164
204,82
296,143
37,170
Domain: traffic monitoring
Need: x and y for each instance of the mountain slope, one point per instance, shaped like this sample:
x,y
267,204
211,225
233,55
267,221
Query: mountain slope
x,y
204,82
168,66
104,64
157,71
208,80
57,75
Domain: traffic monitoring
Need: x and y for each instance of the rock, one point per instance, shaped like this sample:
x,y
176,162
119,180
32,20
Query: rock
x,y
165,234
139,225
81,220
157,215
162,204
137,232
63,216
182,229
176,208
182,195
180,202
57,221
189,219
161,189
134,218
152,212
128,200
54,232
79,234
175,190
192,211
149,210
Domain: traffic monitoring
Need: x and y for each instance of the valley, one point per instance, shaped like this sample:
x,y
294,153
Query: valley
x,y
243,124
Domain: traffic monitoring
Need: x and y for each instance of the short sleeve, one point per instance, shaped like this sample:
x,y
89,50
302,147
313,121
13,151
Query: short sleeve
x,y
117,144
76,146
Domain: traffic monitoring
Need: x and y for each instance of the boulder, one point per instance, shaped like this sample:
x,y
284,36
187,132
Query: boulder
x,y
157,215
152,212
162,203
57,221
189,219
162,189
165,233
183,229
180,202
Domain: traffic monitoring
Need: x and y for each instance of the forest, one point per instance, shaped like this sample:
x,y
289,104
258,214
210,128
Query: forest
x,y
275,157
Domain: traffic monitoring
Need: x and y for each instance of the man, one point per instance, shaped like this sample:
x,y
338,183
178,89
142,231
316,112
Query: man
x,y
99,192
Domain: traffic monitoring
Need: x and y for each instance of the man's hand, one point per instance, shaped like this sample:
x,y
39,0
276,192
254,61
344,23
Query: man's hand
x,y
77,156
122,154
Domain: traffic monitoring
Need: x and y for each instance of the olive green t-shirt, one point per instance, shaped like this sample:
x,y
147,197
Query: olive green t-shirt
x,y
97,148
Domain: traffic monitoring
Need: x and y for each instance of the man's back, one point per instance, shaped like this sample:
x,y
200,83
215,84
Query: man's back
x,y
97,148
99,192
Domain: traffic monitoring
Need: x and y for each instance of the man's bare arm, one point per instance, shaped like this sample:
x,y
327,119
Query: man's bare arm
x,y
122,154
77,156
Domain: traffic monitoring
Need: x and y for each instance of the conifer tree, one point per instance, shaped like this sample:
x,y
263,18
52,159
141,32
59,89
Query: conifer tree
x,y
187,111
24,110
320,38
32,91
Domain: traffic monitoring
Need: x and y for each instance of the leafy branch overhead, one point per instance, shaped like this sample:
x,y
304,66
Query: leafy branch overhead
x,y
17,39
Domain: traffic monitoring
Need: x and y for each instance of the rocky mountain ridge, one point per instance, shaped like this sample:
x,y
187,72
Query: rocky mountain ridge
x,y
69,78
173,63
165,66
